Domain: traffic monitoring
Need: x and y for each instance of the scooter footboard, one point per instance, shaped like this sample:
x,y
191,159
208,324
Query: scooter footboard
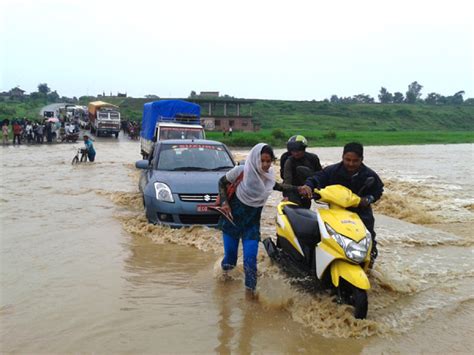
x,y
352,273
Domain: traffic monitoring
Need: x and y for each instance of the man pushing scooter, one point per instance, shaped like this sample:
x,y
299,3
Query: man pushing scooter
x,y
353,174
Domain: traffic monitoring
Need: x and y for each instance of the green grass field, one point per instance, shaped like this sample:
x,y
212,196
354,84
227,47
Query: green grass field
x,y
339,138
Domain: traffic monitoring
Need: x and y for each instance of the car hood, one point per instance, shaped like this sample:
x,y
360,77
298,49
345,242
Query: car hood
x,y
189,181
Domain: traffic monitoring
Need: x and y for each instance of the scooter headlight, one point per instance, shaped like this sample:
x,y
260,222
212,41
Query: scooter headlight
x,y
353,250
163,192
358,251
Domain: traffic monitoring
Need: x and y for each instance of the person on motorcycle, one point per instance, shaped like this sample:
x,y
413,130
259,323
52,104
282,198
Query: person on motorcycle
x,y
296,166
245,208
352,173
89,147
70,129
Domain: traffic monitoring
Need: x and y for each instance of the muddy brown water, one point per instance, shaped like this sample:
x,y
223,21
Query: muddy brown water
x,y
82,271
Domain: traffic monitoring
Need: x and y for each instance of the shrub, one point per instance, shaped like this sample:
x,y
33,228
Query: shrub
x,y
404,112
330,135
278,133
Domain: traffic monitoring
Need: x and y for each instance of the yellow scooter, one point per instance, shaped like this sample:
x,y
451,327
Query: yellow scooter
x,y
330,246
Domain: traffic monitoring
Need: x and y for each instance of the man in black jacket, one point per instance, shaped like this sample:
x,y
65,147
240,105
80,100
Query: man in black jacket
x,y
353,174
296,166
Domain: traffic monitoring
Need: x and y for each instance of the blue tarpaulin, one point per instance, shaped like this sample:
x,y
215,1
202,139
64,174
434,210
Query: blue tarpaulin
x,y
166,110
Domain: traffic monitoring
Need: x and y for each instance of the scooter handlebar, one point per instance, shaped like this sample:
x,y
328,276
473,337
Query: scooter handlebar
x,y
316,195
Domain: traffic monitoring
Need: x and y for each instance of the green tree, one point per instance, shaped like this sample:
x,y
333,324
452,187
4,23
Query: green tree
x,y
414,93
398,97
433,98
334,99
385,97
363,99
44,89
53,96
457,98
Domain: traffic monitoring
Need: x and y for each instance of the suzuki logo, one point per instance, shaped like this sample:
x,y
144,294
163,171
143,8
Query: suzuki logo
x,y
207,198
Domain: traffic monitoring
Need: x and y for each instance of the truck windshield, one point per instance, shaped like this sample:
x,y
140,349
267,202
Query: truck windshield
x,y
114,115
194,157
109,115
180,133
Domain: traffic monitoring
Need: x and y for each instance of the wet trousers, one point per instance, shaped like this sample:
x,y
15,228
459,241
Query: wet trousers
x,y
17,138
250,250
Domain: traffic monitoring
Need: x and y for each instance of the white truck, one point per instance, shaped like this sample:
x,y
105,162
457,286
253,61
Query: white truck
x,y
169,119
104,118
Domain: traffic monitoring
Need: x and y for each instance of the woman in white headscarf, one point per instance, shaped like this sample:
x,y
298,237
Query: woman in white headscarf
x,y
245,206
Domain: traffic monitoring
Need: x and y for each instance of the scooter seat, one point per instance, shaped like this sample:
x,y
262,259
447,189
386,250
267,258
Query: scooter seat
x,y
304,223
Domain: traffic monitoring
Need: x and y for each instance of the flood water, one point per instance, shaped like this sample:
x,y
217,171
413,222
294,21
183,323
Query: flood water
x,y
82,271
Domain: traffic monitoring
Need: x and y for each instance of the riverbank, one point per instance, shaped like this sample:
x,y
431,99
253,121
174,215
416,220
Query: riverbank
x,y
278,138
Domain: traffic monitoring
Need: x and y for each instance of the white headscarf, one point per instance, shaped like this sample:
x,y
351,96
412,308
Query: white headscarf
x,y
257,184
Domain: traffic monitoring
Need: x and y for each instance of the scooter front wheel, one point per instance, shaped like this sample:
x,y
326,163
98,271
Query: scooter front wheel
x,y
75,160
360,302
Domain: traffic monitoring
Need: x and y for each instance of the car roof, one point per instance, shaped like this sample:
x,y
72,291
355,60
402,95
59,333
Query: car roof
x,y
181,125
190,141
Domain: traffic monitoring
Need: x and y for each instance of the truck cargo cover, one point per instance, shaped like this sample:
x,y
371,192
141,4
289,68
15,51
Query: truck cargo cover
x,y
97,105
165,110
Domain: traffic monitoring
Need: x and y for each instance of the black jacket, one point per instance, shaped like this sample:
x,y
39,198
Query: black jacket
x,y
337,174
310,160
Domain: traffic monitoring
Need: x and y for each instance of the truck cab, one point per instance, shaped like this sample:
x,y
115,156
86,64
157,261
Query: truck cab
x,y
169,119
104,118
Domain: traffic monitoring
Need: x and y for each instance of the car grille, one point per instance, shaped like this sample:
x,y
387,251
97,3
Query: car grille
x,y
199,219
198,197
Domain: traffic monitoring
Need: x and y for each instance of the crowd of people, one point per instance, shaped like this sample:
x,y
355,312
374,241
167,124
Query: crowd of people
x,y
33,132
131,128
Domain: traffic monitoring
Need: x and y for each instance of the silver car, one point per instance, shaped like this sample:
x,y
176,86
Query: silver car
x,y
180,181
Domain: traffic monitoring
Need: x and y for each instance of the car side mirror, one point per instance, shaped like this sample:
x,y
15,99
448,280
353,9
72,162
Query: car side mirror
x,y
142,164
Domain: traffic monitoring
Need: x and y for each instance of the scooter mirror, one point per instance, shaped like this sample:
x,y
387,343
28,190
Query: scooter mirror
x,y
368,183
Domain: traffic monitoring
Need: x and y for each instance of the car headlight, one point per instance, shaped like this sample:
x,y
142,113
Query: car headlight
x,y
353,250
163,192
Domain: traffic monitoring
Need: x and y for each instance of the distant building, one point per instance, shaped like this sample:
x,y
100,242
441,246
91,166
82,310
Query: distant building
x,y
209,93
220,113
16,93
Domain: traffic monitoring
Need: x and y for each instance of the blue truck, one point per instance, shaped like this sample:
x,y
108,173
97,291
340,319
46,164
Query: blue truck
x,y
169,119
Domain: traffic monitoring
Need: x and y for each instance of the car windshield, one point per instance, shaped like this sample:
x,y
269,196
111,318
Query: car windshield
x,y
193,157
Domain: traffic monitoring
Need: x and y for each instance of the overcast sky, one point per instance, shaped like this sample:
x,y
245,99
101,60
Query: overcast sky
x,y
298,50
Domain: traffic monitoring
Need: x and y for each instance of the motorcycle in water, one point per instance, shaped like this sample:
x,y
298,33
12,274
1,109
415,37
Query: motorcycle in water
x,y
330,247
70,137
